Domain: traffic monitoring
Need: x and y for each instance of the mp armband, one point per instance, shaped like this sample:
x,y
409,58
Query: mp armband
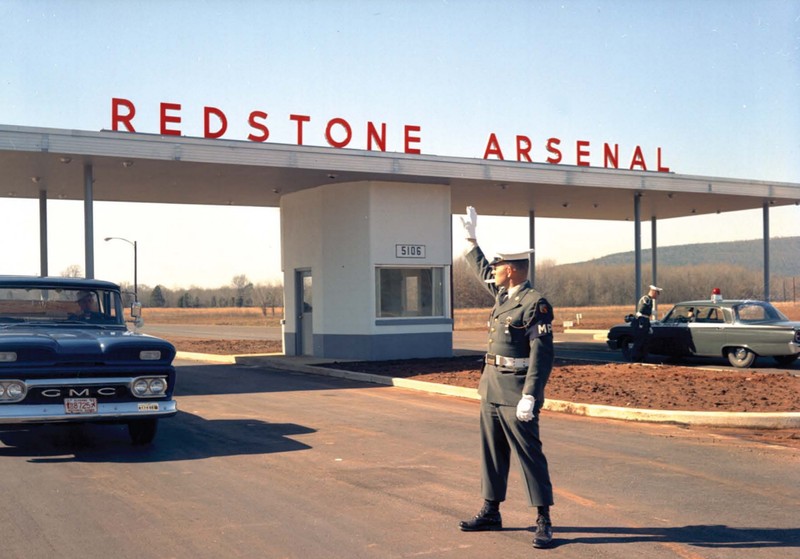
x,y
540,329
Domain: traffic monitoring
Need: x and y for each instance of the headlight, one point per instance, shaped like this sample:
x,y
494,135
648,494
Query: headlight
x,y
12,390
149,387
140,387
8,356
15,390
150,355
158,386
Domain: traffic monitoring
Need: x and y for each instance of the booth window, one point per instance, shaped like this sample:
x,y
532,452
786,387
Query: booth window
x,y
409,292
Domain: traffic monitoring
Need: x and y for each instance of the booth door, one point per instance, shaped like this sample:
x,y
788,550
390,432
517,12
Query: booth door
x,y
305,307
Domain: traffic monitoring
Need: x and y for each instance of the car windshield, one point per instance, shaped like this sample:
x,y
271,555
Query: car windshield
x,y
44,306
753,311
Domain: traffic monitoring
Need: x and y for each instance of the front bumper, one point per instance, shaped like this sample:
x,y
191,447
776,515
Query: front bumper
x,y
114,412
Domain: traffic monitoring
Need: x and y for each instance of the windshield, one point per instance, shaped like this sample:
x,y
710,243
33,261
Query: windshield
x,y
50,306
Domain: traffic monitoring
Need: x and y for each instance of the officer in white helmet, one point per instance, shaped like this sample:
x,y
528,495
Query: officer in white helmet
x,y
517,366
641,323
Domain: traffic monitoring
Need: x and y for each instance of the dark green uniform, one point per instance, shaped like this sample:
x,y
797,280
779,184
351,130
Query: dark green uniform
x,y
518,361
641,328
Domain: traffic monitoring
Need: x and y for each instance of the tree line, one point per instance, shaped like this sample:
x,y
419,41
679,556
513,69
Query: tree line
x,y
241,292
568,285
590,284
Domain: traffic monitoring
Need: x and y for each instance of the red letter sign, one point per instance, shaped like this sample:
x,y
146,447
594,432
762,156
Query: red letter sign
x,y
638,159
207,112
166,118
493,148
125,120
551,147
300,119
611,156
524,148
661,169
372,133
258,126
347,136
409,139
579,145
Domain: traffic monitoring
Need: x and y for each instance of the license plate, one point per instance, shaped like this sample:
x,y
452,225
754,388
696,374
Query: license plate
x,y
151,406
80,405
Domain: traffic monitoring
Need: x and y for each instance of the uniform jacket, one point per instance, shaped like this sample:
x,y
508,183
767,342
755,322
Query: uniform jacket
x,y
645,307
519,327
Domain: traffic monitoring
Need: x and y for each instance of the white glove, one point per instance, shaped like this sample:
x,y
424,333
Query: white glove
x,y
525,408
470,223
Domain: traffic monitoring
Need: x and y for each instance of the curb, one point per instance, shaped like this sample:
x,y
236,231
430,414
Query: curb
x,y
596,334
746,420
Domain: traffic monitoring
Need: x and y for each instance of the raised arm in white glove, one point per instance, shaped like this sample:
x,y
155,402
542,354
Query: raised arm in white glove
x,y
525,408
470,223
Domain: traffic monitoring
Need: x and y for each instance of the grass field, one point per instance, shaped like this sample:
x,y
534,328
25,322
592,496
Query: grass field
x,y
593,318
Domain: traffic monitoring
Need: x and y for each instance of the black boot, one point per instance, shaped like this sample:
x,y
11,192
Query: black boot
x,y
487,519
543,536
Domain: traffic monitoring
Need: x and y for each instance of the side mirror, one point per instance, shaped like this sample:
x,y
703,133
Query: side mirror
x,y
136,314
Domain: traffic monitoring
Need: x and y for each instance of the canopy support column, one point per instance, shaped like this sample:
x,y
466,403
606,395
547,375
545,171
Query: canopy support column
x,y
43,232
654,254
532,244
637,245
88,219
766,250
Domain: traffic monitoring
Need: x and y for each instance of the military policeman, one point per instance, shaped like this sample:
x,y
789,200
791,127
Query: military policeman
x,y
641,323
517,367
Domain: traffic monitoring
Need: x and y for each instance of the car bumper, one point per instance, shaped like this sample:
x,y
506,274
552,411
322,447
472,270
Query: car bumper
x,y
54,413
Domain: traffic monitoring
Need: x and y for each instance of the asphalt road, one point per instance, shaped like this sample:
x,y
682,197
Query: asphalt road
x,y
267,464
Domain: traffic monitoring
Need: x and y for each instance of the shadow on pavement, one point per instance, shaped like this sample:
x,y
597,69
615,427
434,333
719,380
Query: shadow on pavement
x,y
203,380
184,437
703,535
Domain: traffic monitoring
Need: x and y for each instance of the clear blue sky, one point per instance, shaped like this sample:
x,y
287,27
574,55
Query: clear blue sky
x,y
715,84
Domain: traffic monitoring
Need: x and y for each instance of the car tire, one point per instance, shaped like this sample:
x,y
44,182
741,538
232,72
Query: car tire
x,y
785,360
142,431
741,357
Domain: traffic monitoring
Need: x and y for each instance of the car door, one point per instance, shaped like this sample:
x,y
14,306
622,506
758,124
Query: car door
x,y
708,330
671,336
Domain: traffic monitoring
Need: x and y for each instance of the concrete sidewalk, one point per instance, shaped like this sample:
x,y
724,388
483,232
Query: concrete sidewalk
x,y
312,365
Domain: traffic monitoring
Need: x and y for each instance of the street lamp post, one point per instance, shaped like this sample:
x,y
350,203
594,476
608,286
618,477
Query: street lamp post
x,y
135,266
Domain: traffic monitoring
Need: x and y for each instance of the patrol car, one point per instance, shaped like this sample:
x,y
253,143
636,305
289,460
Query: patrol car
x,y
739,330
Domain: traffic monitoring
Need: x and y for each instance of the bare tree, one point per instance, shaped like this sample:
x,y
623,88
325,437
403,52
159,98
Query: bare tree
x,y
243,287
72,271
268,295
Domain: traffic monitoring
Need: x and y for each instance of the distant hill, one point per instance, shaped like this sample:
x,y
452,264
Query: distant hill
x,y
784,255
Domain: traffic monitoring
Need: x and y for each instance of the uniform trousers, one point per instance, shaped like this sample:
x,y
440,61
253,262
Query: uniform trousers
x,y
501,432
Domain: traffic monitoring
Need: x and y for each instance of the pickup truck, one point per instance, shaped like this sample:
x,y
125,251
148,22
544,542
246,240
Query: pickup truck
x,y
67,355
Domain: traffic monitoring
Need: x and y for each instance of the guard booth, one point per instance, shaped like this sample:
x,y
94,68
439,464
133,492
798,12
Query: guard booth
x,y
367,271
